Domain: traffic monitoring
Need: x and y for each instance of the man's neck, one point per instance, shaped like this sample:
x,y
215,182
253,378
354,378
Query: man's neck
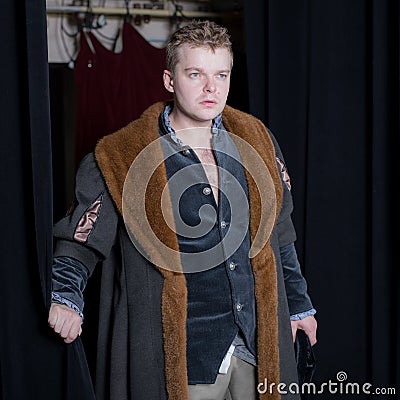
x,y
198,136
195,137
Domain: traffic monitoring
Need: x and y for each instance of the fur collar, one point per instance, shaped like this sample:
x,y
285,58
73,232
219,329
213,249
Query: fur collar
x,y
115,154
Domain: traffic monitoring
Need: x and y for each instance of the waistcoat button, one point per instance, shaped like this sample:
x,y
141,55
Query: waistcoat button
x,y
206,191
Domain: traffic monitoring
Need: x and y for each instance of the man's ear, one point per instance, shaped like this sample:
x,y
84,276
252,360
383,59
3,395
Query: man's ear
x,y
168,81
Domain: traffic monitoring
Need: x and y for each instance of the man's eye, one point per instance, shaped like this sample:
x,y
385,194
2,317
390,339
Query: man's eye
x,y
194,75
222,76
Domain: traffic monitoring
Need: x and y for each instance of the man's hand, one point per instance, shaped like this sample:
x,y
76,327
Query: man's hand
x,y
65,321
308,325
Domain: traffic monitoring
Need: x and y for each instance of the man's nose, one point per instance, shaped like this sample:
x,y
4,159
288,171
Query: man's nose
x,y
209,85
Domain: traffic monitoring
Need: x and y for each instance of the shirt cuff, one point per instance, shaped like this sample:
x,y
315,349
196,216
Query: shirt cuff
x,y
56,298
302,315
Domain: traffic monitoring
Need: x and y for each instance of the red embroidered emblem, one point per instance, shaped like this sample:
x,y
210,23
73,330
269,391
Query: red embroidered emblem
x,y
284,172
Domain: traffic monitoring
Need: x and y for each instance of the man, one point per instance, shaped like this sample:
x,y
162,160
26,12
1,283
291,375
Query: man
x,y
188,210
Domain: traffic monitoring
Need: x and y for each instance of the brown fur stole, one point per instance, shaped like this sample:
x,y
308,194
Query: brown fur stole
x,y
115,154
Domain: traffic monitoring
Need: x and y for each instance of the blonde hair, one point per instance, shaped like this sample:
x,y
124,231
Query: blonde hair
x,y
197,34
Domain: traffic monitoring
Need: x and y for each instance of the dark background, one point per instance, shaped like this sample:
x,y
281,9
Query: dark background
x,y
324,77
331,96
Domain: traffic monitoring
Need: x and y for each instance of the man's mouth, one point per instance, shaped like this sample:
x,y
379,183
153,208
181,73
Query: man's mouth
x,y
208,102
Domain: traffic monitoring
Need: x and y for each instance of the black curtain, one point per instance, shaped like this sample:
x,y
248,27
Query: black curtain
x,y
34,362
324,76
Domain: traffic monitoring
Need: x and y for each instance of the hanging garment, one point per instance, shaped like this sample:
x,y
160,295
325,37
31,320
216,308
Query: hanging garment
x,y
115,88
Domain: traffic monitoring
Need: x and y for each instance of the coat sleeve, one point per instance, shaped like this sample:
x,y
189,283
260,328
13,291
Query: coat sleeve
x,y
295,283
88,232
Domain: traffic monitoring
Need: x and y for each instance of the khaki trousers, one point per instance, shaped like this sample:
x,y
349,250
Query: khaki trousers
x,y
238,384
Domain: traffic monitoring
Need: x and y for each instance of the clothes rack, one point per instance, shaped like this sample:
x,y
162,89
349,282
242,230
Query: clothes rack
x,y
156,13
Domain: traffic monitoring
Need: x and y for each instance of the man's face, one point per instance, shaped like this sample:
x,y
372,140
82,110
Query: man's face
x,y
200,84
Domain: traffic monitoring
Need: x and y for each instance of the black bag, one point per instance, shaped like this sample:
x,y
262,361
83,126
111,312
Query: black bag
x,y
305,357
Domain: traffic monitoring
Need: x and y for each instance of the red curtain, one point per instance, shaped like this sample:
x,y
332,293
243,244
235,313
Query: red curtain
x,y
115,88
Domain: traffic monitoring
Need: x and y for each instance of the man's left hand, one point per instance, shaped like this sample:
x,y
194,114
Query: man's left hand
x,y
308,325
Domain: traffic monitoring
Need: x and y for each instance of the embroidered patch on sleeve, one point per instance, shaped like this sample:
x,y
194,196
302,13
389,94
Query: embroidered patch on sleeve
x,y
284,172
87,221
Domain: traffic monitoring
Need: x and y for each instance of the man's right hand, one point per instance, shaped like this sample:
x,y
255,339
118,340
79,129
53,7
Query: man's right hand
x,y
65,321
